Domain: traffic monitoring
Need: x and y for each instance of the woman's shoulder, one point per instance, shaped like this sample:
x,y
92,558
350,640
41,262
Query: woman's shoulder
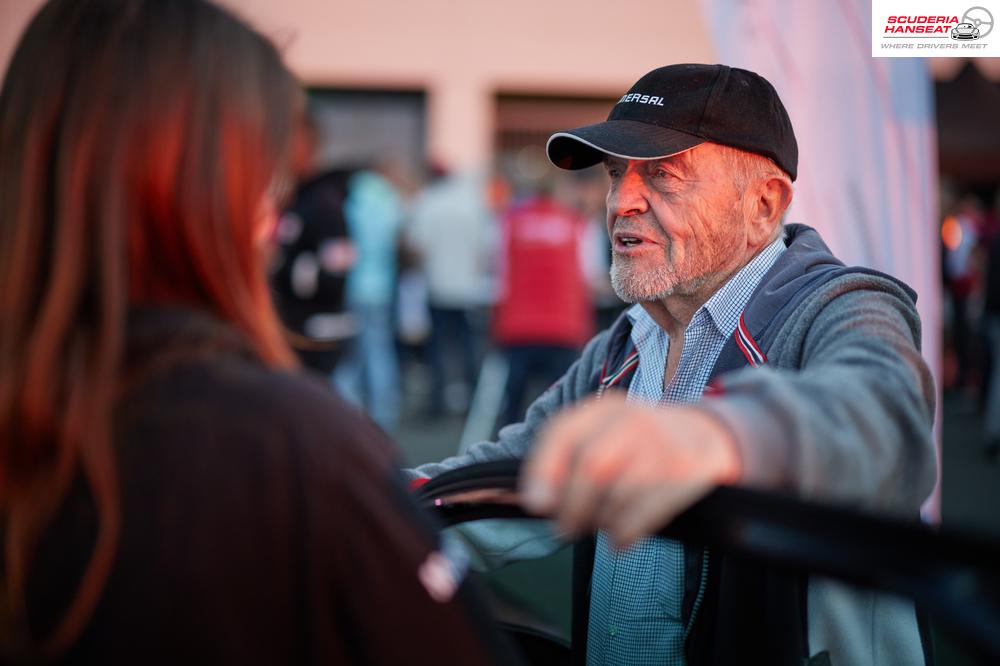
x,y
200,378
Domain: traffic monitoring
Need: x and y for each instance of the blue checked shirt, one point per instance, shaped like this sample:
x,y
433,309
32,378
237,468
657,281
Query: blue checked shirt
x,y
636,594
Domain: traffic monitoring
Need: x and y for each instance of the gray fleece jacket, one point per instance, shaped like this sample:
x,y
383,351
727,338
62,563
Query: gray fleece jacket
x,y
841,412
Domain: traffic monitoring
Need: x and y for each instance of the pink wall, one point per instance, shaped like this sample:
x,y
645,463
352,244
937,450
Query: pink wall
x,y
462,51
14,15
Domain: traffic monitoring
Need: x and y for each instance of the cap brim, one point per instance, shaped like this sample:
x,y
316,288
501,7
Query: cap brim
x,y
628,139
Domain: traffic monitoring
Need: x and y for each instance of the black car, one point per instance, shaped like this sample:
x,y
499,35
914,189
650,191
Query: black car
x,y
952,576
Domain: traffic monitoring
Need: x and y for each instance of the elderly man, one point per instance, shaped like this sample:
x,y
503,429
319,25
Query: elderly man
x,y
751,356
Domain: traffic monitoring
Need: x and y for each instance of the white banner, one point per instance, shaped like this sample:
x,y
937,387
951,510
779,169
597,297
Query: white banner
x,y
867,175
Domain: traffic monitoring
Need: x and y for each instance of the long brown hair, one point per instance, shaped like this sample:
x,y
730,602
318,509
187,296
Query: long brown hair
x,y
137,141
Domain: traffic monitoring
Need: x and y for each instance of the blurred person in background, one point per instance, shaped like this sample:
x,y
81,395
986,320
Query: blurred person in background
x,y
991,330
171,491
369,372
962,234
314,255
588,188
543,314
451,234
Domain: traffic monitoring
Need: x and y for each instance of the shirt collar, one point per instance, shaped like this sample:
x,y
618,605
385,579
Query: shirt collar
x,y
726,305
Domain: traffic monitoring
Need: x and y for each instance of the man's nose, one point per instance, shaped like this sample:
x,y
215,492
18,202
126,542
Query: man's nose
x,y
627,197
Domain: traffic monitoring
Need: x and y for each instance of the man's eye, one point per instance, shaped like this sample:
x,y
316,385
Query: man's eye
x,y
661,173
614,172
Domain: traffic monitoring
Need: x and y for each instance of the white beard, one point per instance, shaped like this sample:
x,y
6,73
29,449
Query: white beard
x,y
633,285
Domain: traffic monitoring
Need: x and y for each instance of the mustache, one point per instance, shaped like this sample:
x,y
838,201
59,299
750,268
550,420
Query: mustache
x,y
650,231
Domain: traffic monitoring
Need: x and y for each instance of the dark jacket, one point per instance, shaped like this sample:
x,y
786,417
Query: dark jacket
x,y
263,522
312,237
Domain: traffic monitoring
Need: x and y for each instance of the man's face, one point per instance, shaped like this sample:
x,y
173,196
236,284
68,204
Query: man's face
x,y
677,225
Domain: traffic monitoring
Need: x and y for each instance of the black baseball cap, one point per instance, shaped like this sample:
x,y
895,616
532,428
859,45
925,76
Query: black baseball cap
x,y
677,107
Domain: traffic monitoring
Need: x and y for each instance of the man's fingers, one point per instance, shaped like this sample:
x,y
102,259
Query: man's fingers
x,y
648,511
599,461
626,468
552,458
487,495
626,492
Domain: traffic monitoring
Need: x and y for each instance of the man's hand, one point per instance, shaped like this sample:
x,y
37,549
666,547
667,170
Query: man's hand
x,y
626,468
485,496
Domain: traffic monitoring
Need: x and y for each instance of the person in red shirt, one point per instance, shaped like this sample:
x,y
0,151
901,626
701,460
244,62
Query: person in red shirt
x,y
544,313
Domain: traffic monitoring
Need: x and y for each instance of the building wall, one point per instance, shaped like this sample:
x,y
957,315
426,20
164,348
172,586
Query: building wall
x,y
463,52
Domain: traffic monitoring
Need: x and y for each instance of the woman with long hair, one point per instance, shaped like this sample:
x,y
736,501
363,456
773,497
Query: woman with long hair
x,y
170,490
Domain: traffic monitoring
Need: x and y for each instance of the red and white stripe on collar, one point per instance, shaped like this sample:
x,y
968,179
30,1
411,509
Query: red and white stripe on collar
x,y
629,364
747,345
751,350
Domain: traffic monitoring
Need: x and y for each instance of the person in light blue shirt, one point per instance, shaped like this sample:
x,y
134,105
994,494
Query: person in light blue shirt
x,y
369,374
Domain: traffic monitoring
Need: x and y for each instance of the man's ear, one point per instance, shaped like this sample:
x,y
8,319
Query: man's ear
x,y
773,197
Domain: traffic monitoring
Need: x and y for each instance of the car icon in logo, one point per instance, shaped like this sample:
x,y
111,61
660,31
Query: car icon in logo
x,y
965,31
